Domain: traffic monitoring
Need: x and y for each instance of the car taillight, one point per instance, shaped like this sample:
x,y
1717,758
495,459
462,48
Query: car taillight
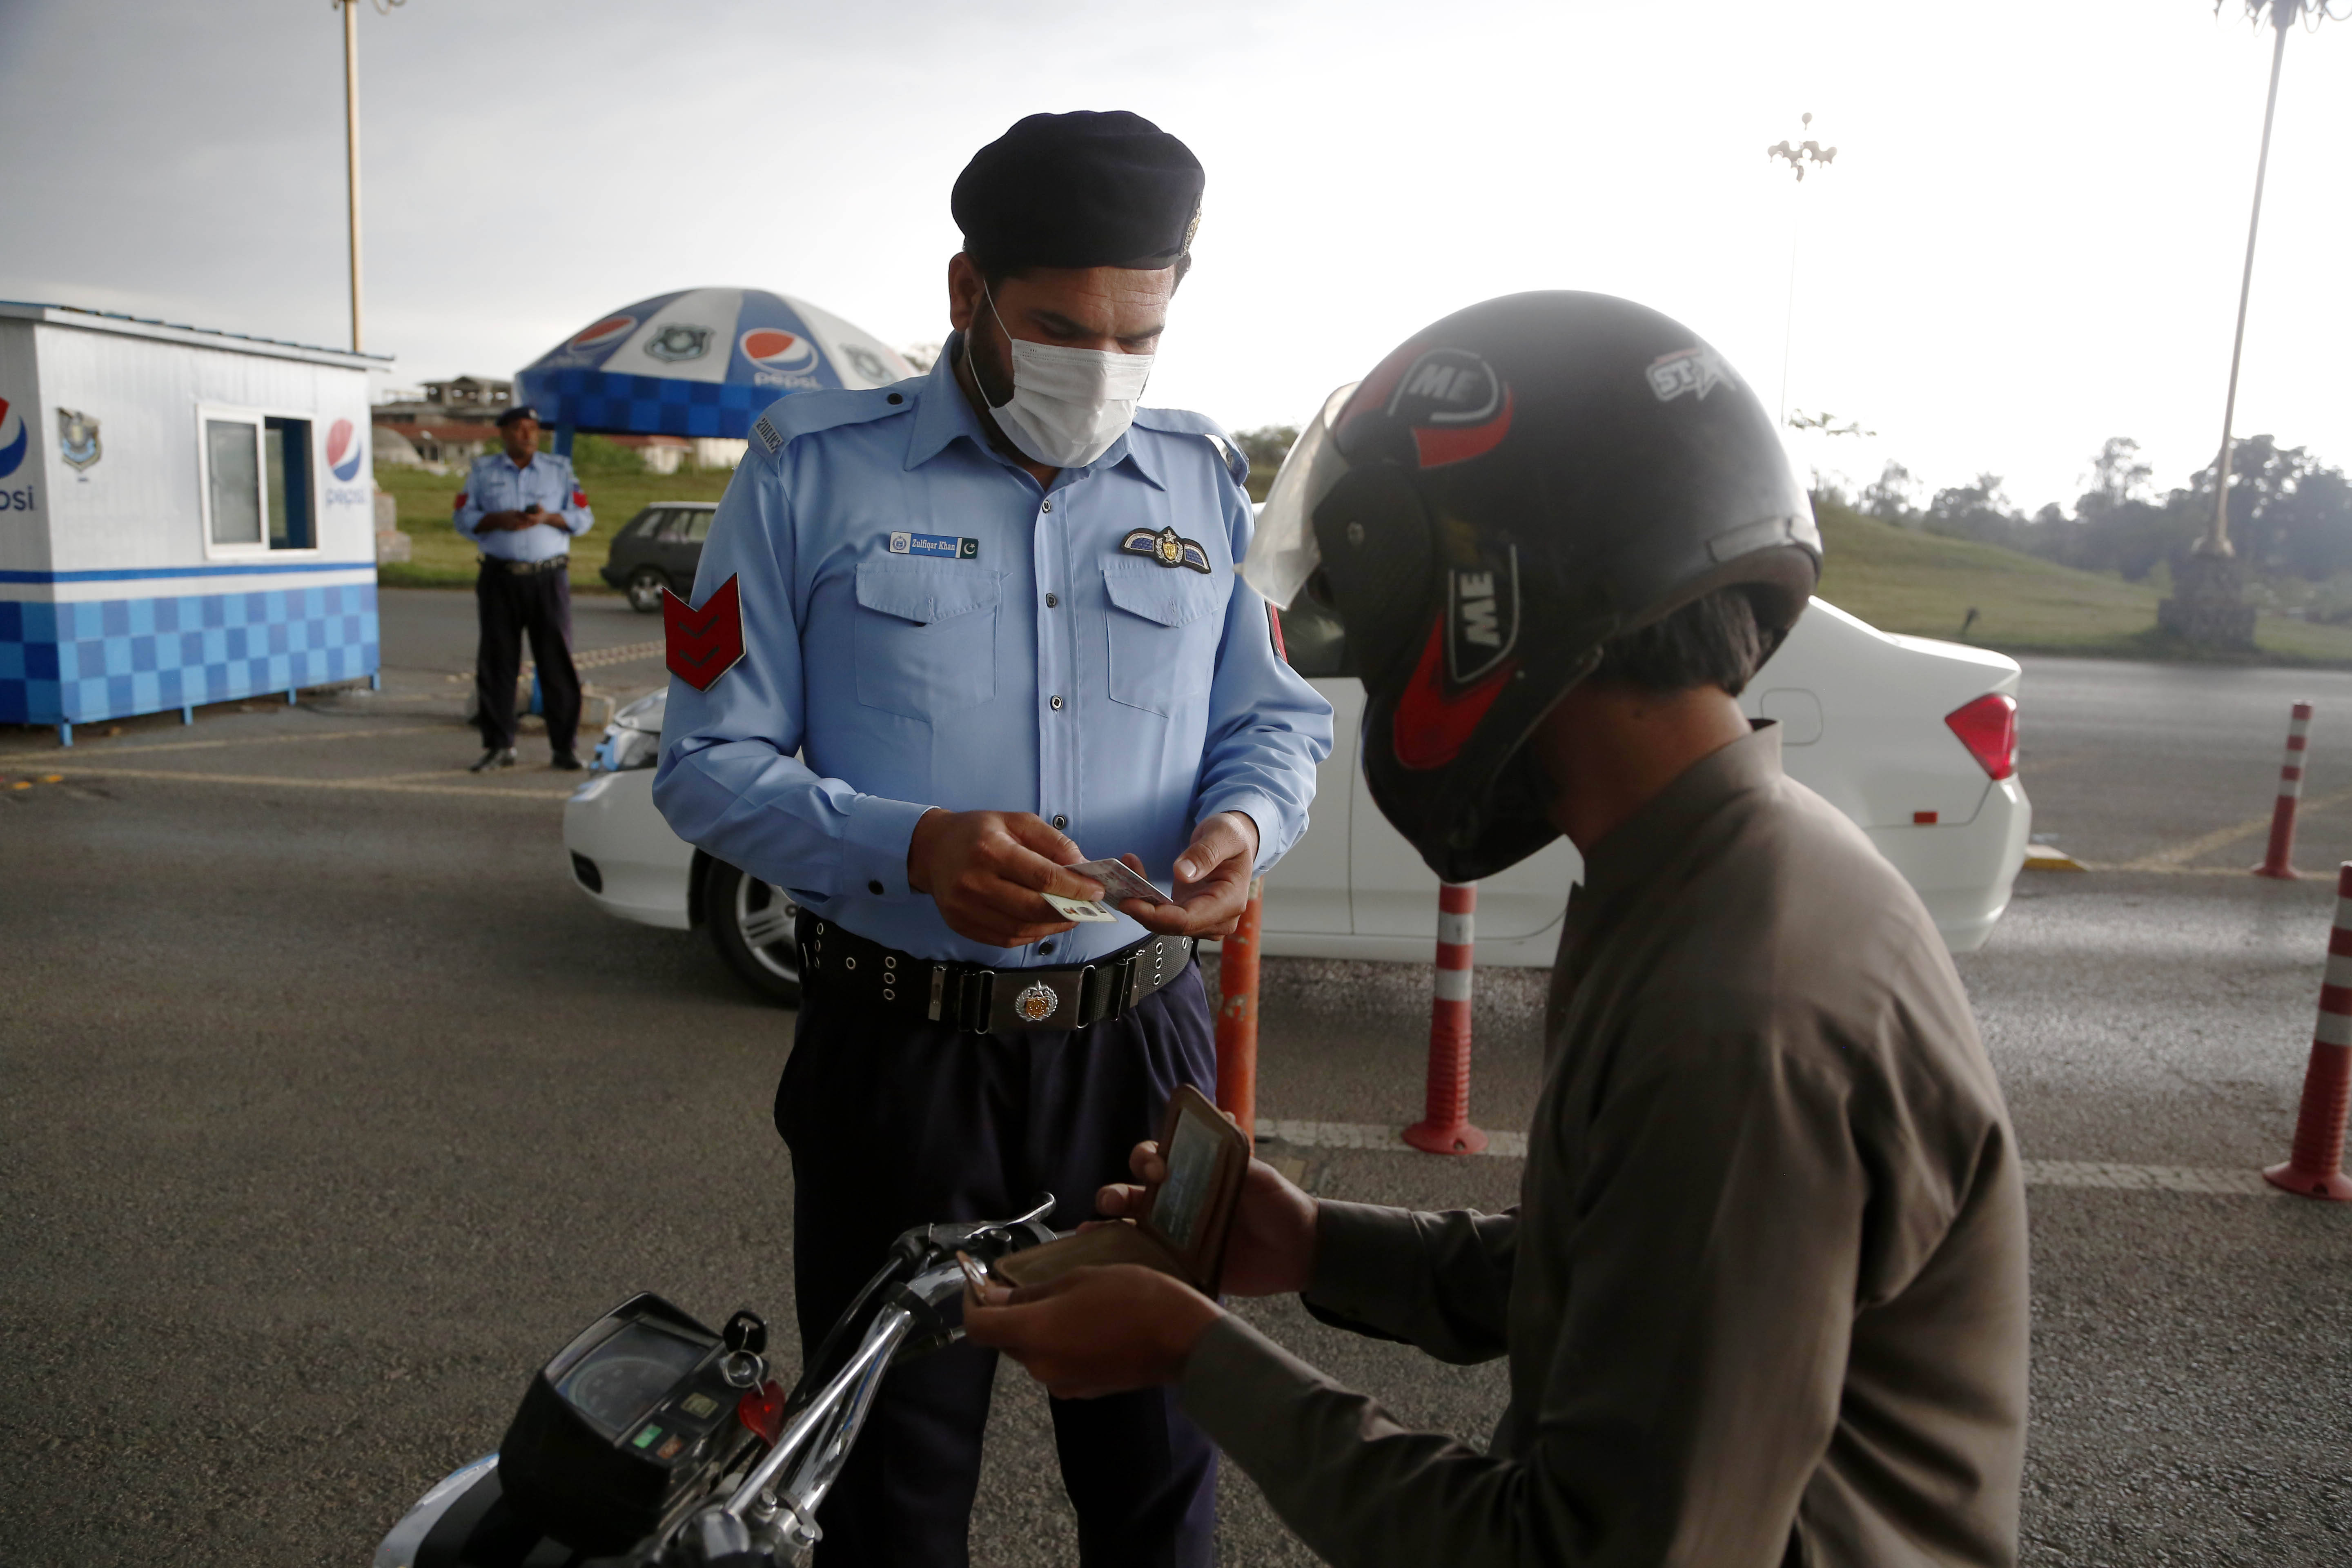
x,y
1988,728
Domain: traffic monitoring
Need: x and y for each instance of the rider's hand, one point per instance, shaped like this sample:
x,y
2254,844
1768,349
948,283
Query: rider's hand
x,y
1212,880
988,871
1095,1331
1269,1251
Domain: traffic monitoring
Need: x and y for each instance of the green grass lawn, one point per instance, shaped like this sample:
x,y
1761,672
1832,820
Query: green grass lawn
x,y
442,559
1896,578
1903,580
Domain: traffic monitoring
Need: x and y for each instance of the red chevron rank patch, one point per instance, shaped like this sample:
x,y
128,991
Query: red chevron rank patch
x,y
703,644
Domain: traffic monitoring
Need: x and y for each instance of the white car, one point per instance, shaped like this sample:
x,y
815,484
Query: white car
x,y
1915,740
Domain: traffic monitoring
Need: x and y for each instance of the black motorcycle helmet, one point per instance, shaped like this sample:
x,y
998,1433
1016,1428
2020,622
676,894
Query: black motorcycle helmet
x,y
1514,485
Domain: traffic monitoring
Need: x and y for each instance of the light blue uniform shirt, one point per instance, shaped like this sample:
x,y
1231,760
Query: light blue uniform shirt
x,y
495,484
1007,651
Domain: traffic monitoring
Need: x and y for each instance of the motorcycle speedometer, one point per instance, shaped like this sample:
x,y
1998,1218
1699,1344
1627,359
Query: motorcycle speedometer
x,y
630,1423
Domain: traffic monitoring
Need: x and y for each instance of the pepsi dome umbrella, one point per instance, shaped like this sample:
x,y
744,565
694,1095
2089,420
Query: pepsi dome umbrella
x,y
703,361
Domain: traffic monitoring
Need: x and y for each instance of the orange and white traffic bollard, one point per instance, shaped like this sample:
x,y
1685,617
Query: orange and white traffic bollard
x,y
1237,984
2315,1168
2279,859
1446,1128
1238,1016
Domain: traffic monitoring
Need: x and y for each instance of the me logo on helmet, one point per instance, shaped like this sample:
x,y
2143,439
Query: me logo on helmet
x,y
1482,615
1458,406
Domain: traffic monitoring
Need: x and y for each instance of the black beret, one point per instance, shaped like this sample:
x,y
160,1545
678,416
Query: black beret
x,y
1084,189
519,411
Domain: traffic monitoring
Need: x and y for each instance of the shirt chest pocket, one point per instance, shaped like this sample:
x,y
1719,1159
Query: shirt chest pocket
x,y
1164,627
924,639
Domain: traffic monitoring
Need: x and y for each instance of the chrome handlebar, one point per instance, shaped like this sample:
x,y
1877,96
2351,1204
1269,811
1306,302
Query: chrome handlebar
x,y
764,1518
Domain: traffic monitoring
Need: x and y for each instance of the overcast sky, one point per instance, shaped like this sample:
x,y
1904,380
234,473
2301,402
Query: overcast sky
x,y
2029,241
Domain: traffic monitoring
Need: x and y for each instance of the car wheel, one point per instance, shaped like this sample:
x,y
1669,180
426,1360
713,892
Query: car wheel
x,y
646,585
750,922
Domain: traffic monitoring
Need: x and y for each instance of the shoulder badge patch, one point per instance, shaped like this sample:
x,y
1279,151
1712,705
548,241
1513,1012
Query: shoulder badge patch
x,y
767,435
1167,547
702,644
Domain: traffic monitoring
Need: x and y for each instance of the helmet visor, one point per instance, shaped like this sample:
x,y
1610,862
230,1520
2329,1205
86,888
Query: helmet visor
x,y
1283,553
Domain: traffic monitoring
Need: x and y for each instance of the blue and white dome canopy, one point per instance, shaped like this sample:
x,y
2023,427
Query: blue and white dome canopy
x,y
703,361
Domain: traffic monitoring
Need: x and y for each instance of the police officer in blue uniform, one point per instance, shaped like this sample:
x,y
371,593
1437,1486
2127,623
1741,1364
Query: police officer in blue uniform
x,y
522,507
950,638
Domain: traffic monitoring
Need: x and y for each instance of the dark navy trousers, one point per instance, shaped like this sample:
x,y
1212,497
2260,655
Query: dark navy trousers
x,y
510,607
893,1123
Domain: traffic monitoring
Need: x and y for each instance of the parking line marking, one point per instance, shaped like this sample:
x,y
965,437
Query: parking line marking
x,y
2138,869
1373,1136
393,785
2177,857
105,750
1388,1139
626,653
2149,1178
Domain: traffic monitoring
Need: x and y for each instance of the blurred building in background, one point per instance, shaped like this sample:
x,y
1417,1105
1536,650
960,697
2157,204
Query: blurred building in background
x,y
442,426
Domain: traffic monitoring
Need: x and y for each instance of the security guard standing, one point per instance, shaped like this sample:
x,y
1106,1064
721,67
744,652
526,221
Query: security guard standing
x,y
948,638
522,507
1763,1296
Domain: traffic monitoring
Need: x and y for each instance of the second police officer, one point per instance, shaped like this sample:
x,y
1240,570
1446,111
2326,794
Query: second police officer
x,y
522,507
948,638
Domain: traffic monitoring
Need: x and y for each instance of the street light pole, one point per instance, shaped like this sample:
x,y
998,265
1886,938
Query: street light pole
x,y
2208,606
351,146
1804,155
2217,543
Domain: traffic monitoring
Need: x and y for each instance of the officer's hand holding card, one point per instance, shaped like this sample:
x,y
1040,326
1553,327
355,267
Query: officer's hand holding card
x,y
1119,884
998,877
1212,880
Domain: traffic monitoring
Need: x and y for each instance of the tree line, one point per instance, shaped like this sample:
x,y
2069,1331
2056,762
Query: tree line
x,y
2290,513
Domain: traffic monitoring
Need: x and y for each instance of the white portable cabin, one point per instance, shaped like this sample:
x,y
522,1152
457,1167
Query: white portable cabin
x,y
186,516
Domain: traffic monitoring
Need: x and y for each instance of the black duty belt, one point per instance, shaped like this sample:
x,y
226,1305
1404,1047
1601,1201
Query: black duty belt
x,y
841,964
525,568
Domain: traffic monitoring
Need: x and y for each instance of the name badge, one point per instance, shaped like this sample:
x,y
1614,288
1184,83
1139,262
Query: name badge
x,y
943,546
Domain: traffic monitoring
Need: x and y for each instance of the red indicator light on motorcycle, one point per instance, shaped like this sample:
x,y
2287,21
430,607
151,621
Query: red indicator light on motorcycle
x,y
1988,728
762,1410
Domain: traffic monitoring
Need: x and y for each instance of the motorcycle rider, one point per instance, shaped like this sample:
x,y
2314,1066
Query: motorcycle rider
x,y
1764,1295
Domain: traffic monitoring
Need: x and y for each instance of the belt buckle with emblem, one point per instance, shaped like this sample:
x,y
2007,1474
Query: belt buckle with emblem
x,y
1037,1001
1167,548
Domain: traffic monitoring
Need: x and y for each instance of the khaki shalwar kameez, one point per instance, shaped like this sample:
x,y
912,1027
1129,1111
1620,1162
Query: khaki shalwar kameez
x,y
1764,1295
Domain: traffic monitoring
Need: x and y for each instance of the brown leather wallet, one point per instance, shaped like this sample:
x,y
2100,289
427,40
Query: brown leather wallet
x,y
1185,1219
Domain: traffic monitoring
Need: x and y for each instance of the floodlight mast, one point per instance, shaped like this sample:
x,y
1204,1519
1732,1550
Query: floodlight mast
x,y
351,148
1804,155
350,9
2284,14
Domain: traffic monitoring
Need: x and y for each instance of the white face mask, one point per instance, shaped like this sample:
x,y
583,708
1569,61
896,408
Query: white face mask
x,y
1068,404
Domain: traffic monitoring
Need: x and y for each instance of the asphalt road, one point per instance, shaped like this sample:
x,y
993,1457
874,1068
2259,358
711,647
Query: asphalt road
x,y
328,1110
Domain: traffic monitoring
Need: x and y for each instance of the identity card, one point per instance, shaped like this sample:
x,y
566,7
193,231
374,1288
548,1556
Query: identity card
x,y
1118,882
1079,909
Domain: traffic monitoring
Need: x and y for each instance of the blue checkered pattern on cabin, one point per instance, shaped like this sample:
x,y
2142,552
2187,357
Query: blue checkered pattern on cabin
x,y
645,405
107,658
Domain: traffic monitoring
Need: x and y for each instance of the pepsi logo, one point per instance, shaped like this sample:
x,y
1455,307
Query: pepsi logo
x,y
12,446
772,348
342,450
611,329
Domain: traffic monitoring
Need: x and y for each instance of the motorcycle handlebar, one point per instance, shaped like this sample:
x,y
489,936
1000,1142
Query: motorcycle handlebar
x,y
822,1423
